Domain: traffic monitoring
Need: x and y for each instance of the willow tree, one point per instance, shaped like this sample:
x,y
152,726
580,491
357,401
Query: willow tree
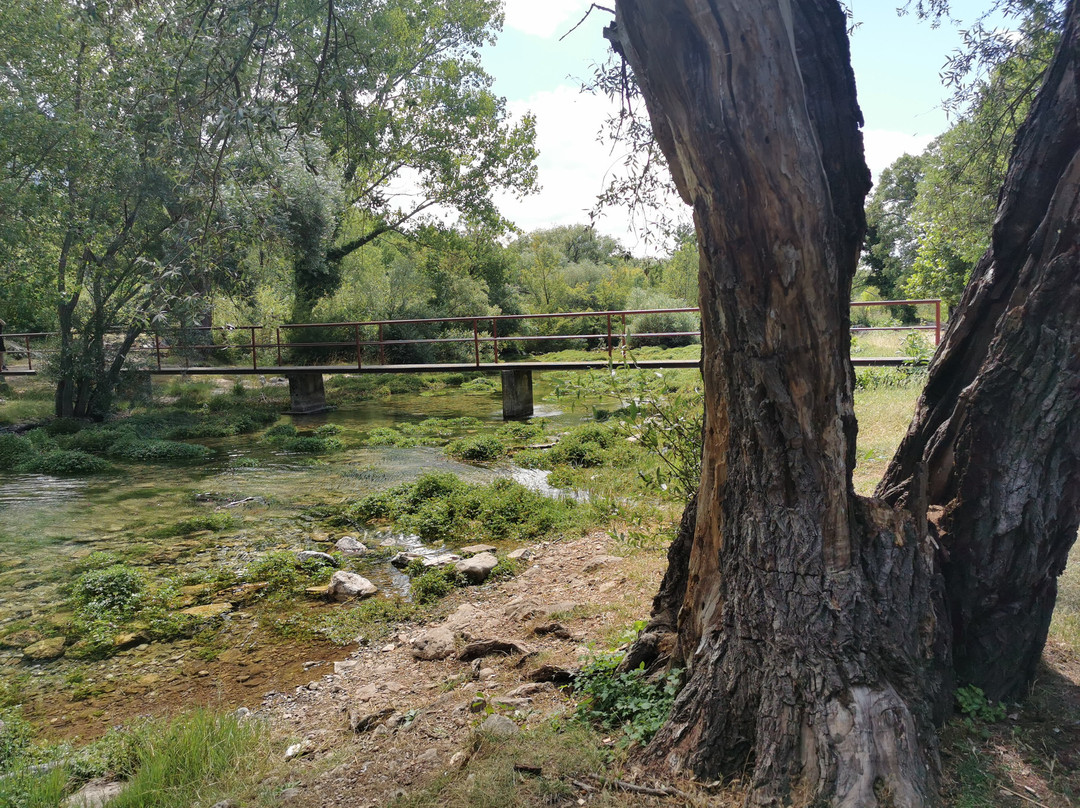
x,y
818,627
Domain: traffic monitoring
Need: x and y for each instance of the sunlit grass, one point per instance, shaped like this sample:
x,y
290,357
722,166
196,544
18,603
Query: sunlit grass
x,y
884,414
1065,627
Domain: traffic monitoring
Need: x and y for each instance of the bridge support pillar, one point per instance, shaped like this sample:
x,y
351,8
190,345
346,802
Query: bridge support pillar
x,y
517,392
306,393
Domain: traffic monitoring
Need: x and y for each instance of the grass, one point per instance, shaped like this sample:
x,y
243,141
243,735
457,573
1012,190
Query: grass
x,y
561,753
1065,626
194,759
883,414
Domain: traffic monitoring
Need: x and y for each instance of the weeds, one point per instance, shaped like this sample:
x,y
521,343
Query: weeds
x,y
628,700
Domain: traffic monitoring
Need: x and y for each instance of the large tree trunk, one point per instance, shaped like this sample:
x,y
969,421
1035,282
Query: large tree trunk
x,y
807,625
999,421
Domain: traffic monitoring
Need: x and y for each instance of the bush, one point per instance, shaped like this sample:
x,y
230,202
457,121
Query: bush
x,y
158,451
14,449
66,462
477,448
280,431
628,700
311,445
193,524
114,591
434,583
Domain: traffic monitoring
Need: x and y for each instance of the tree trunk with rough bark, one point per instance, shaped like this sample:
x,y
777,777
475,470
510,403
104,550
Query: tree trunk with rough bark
x,y
815,625
807,625
998,424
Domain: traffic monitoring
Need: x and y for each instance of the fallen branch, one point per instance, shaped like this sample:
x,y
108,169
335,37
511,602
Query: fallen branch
x,y
622,785
1024,797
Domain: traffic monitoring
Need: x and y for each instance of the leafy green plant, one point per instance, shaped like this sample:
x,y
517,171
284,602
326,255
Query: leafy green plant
x,y
115,591
430,584
477,448
627,700
158,451
216,521
974,704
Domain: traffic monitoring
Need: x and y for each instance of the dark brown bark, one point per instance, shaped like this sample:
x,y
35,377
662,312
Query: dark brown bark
x,y
807,626
999,421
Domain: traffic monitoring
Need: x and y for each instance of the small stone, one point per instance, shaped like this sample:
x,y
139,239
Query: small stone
x,y
429,758
402,560
442,560
350,546
601,561
458,760
476,549
94,794
435,643
346,585
44,650
500,726
519,554
209,611
477,568
226,804
305,747
315,555
129,640
21,639
289,794
366,721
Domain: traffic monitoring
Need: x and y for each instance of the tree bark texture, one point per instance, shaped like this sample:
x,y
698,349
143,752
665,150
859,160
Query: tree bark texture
x,y
807,625
998,424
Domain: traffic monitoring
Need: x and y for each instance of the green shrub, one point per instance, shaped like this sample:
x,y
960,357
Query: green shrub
x,y
15,737
327,431
64,426
216,521
627,700
434,583
14,450
385,436
157,451
381,505
477,448
311,445
280,431
66,463
115,591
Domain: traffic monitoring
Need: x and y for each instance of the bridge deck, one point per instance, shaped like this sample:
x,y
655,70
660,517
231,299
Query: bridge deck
x,y
459,367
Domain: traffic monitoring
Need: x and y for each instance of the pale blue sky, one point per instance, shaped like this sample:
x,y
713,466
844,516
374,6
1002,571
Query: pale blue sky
x,y
897,62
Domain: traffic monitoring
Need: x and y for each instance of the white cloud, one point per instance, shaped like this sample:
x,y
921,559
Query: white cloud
x,y
574,167
883,147
543,18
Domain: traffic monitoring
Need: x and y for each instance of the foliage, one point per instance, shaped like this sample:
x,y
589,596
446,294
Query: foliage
x,y
440,507
477,448
65,463
430,584
626,700
368,620
157,451
684,324
974,704
116,590
216,522
285,575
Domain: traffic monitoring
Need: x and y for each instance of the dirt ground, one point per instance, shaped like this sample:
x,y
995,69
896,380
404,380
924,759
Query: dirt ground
x,y
384,724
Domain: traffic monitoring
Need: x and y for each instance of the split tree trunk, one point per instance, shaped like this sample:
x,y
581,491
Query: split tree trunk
x,y
999,421
807,625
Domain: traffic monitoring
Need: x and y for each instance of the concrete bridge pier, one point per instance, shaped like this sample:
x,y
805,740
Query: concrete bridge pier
x,y
307,394
517,392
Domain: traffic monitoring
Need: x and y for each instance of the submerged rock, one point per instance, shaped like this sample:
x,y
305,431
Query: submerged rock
x,y
43,650
345,585
209,611
315,555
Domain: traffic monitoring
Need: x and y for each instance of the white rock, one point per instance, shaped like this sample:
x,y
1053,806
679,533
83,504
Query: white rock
x,y
500,726
435,643
94,794
477,568
345,585
350,546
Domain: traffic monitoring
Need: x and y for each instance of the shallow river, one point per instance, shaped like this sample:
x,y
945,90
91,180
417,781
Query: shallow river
x,y
47,524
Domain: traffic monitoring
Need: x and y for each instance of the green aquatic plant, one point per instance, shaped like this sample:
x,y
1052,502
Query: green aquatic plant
x,y
477,448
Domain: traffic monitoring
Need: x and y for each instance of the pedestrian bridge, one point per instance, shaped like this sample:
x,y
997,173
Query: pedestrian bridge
x,y
306,352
